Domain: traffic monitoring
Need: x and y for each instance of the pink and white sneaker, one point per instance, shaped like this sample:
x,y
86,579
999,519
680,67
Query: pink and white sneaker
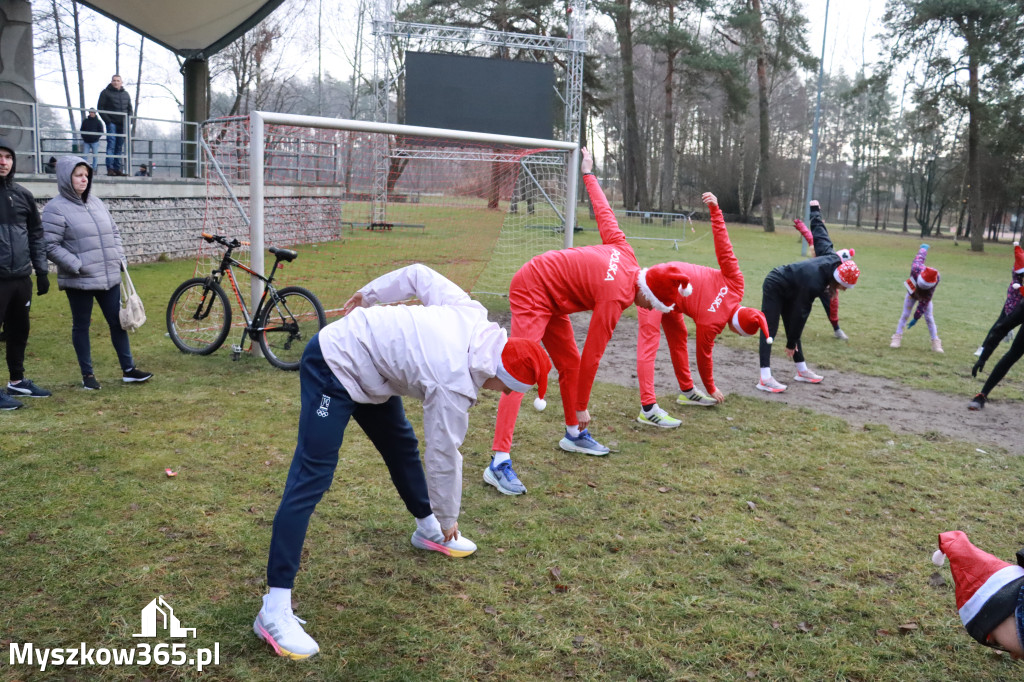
x,y
458,547
808,376
771,385
284,633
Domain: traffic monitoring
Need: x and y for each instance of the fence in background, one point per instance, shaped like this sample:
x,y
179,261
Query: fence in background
x,y
162,145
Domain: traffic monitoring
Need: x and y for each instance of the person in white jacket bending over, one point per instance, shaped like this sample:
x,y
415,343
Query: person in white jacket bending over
x,y
442,352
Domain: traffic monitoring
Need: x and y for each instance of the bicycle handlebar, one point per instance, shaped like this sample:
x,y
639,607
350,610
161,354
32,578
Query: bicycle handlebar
x,y
231,244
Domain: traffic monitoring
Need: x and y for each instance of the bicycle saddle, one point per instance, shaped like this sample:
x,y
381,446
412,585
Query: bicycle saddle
x,y
286,255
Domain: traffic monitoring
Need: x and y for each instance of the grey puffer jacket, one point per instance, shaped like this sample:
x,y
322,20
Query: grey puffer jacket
x,y
81,237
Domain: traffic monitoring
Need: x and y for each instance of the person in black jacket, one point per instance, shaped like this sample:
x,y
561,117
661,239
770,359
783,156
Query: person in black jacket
x,y
790,290
115,105
92,129
22,246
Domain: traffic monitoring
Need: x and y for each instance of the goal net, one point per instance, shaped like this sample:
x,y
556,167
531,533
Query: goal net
x,y
359,199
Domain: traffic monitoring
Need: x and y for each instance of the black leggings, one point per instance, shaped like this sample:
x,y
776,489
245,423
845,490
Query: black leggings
x,y
15,299
999,330
775,303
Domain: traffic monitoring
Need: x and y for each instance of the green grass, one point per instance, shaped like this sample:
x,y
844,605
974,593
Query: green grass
x,y
665,571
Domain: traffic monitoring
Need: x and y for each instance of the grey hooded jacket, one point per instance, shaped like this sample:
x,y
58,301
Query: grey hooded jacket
x,y
81,237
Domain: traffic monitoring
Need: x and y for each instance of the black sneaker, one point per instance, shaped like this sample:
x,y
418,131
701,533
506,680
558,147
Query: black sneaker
x,y
89,383
9,403
136,375
26,389
977,403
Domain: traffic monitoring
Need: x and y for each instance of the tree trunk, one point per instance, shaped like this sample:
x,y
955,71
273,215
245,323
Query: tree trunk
x,y
668,145
63,66
762,102
78,58
138,86
634,176
974,141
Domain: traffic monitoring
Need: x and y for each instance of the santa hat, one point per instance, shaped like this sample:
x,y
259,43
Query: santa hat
x,y
524,363
664,285
986,587
928,278
749,321
846,254
847,274
1018,258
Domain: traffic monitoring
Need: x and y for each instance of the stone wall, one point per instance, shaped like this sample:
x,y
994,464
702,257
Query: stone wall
x,y
164,221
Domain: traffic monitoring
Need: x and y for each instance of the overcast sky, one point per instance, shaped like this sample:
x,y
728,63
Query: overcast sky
x,y
851,30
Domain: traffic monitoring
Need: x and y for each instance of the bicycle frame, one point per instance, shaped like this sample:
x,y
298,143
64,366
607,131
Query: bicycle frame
x,y
226,266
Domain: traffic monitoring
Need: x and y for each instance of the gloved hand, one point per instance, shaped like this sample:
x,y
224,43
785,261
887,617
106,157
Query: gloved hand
x,y
925,247
912,323
815,206
42,284
978,367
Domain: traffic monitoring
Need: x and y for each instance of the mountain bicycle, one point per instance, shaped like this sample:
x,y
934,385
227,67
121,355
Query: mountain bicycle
x,y
199,312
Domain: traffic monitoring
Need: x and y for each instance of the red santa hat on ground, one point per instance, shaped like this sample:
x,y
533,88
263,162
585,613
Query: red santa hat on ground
x,y
748,322
524,363
1018,262
664,285
986,587
847,274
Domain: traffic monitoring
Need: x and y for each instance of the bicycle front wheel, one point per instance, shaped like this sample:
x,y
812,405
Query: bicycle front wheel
x,y
198,316
287,324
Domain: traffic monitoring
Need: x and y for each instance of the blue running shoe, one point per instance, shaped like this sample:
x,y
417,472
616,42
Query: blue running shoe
x,y
504,478
583,443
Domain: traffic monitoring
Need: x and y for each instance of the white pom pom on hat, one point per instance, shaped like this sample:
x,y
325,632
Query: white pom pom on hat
x,y
938,558
539,404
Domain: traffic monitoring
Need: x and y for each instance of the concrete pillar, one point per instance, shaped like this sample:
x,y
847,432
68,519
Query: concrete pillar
x,y
18,81
197,110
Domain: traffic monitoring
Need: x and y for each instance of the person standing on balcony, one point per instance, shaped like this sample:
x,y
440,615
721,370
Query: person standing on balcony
x,y
115,105
92,129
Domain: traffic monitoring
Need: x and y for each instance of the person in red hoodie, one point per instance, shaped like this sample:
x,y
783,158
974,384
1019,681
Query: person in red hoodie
x,y
605,279
716,305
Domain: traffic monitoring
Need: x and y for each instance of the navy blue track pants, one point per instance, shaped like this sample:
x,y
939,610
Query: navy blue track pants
x,y
326,409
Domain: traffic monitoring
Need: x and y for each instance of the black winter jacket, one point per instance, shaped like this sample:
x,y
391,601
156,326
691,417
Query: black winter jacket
x,y
22,244
800,284
112,99
92,128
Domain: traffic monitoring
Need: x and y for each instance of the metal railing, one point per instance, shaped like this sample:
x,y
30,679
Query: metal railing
x,y
167,148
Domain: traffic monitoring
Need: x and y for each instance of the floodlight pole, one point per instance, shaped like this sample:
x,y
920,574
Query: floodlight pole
x,y
814,136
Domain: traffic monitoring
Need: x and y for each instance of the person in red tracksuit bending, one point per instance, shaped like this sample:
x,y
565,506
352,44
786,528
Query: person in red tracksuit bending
x,y
717,304
605,279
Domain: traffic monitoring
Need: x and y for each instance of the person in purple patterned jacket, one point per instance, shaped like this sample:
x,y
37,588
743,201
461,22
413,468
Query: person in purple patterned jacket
x,y
920,288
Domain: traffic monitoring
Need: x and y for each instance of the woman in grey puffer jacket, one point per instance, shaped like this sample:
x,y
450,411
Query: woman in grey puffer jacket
x,y
82,239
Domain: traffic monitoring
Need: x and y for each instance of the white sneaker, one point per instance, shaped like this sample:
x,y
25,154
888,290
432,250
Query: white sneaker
x,y
807,376
284,633
457,547
841,335
658,417
771,385
897,341
937,345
